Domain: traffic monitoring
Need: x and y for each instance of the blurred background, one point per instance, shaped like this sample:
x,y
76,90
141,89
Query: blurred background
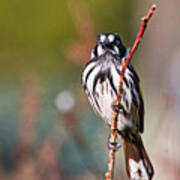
x,y
47,128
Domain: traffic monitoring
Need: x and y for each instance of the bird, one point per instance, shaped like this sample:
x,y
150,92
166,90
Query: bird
x,y
100,80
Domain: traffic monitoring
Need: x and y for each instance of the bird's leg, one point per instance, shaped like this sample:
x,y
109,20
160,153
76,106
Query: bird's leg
x,y
118,108
115,146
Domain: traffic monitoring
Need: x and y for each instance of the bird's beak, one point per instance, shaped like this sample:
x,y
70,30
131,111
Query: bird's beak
x,y
106,42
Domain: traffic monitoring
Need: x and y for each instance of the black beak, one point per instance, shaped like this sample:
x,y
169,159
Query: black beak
x,y
106,42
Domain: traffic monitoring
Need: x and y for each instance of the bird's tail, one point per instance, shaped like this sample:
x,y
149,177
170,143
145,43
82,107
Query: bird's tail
x,y
138,164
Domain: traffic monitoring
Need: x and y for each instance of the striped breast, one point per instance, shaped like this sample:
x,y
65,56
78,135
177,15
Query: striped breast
x,y
100,80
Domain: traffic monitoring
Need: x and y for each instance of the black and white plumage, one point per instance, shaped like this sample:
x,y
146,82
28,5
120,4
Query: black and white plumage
x,y
100,80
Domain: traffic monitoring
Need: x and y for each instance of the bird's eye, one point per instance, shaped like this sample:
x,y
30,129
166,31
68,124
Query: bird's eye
x,y
118,42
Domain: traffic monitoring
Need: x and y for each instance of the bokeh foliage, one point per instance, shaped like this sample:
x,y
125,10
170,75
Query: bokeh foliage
x,y
35,34
35,43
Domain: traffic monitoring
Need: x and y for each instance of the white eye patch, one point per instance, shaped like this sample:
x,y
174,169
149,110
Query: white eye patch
x,y
102,38
111,38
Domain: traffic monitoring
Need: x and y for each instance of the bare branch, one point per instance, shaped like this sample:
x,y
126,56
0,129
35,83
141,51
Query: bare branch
x,y
113,131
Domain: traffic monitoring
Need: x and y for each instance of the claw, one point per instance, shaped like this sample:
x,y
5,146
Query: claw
x,y
118,108
114,146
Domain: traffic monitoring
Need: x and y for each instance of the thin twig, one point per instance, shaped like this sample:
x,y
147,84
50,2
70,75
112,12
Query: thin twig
x,y
113,131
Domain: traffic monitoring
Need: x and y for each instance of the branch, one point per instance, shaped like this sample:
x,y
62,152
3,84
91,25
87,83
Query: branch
x,y
113,131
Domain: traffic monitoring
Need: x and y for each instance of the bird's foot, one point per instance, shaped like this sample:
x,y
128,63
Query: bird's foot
x,y
118,108
114,146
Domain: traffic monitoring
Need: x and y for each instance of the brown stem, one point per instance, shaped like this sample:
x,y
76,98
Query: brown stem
x,y
113,132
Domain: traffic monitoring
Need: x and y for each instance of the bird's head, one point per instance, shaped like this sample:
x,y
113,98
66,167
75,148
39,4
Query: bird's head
x,y
112,42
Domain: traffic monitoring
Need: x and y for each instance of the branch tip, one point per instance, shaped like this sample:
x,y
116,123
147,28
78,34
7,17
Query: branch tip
x,y
154,7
